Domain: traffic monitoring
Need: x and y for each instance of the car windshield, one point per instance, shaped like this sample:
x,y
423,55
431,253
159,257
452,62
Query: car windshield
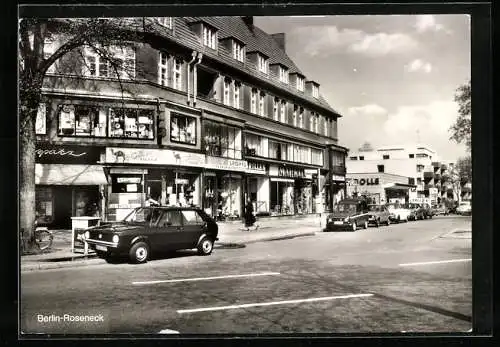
x,y
374,208
345,208
139,215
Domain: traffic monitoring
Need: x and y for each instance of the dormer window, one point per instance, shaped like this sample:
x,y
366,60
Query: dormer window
x,y
209,36
283,74
315,91
167,22
262,63
238,51
300,83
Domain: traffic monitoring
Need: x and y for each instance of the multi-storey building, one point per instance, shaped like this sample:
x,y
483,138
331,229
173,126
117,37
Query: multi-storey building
x,y
210,112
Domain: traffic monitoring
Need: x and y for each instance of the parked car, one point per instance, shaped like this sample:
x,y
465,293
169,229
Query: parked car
x,y
152,229
440,210
415,212
424,211
378,215
464,208
348,214
399,212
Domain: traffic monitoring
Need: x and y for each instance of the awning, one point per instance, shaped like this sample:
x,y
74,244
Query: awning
x,y
399,186
66,174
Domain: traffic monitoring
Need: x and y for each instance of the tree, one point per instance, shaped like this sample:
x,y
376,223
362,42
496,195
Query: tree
x,y
98,33
464,169
461,130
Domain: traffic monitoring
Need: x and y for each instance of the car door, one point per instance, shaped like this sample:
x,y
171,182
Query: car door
x,y
194,227
169,229
152,231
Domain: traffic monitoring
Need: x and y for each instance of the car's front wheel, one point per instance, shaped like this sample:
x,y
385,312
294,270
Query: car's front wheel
x,y
139,252
205,246
388,221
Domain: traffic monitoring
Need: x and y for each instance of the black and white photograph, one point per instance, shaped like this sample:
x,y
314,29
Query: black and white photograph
x,y
290,174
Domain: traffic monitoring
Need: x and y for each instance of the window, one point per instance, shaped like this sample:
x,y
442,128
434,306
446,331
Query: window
x,y
420,168
262,63
361,157
316,124
41,119
411,156
238,51
130,122
380,168
262,104
170,218
385,156
300,83
325,126
353,158
278,150
301,117
48,50
236,94
253,100
222,141
77,120
419,180
312,122
283,114
191,218
283,73
254,145
182,129
411,180
227,88
163,69
315,91
165,21
276,102
177,73
120,62
338,159
126,183
294,115
317,156
209,37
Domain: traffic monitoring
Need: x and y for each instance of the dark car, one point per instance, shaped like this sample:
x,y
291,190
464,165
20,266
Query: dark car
x,y
378,215
424,211
154,229
348,214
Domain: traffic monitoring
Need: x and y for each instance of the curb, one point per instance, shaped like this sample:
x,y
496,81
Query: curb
x,y
32,266
271,238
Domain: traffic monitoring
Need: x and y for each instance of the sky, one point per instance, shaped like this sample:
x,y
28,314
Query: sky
x,y
391,77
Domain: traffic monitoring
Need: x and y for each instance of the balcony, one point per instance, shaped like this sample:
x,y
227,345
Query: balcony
x,y
338,170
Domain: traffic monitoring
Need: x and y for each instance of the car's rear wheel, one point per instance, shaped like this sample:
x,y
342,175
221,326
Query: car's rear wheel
x,y
353,226
139,252
205,246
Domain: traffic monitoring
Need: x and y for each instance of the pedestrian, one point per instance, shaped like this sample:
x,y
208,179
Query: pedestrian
x,y
249,215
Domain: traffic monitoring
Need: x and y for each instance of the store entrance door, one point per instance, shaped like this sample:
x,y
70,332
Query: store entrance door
x,y
63,207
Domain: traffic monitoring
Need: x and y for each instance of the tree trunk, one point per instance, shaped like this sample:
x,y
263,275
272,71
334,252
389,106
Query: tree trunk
x,y
27,204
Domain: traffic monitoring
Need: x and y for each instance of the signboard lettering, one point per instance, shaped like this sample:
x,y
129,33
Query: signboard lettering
x,y
154,156
226,164
291,172
366,181
46,153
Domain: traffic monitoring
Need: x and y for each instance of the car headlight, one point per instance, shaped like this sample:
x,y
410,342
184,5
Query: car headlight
x,y
87,235
116,238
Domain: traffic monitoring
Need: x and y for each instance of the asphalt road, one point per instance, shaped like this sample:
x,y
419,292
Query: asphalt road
x,y
408,277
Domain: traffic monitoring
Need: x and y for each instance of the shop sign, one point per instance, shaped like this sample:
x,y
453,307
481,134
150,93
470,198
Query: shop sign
x,y
291,172
181,181
366,181
117,155
256,168
66,154
338,178
219,163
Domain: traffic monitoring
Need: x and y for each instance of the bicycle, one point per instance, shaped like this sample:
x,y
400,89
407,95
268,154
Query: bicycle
x,y
43,238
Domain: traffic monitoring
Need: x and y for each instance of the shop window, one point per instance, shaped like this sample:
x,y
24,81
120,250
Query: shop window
x,y
380,168
131,123
81,120
126,184
183,129
44,204
222,141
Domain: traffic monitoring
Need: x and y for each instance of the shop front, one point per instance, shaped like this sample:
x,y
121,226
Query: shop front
x,y
290,191
257,187
379,188
223,181
337,189
170,177
69,183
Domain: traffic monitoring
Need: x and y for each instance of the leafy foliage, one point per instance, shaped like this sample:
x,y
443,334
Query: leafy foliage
x,y
461,130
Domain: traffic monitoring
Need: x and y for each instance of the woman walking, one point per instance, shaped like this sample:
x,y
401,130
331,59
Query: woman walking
x,y
249,215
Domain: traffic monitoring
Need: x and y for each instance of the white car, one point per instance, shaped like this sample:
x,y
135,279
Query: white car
x,y
464,208
399,213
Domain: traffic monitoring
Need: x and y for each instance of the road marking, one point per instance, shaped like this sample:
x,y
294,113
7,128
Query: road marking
x,y
168,331
257,304
437,262
208,278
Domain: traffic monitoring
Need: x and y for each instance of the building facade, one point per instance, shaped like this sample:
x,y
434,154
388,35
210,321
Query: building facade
x,y
212,112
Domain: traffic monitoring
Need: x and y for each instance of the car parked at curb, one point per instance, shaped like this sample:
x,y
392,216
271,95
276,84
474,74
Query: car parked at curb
x,y
440,210
415,211
464,208
378,215
424,211
399,212
154,229
348,214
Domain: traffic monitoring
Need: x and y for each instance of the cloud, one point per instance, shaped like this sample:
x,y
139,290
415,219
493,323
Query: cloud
x,y
419,65
370,109
326,40
428,22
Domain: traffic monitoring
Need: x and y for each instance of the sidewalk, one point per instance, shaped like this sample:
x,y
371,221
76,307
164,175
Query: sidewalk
x,y
231,233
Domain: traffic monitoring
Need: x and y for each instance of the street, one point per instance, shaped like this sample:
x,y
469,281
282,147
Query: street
x,y
409,277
